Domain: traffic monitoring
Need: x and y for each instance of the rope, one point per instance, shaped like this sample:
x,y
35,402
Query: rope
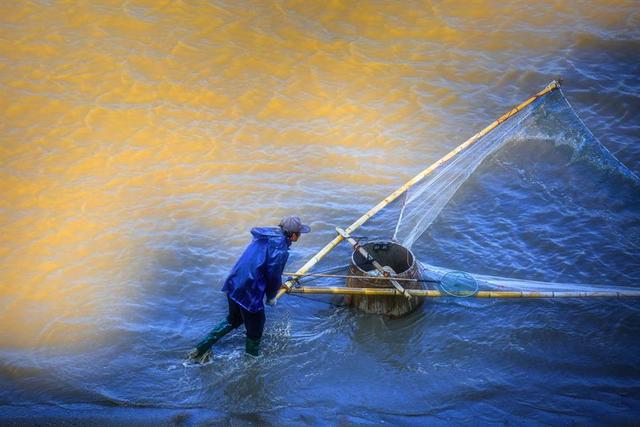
x,y
319,274
313,299
343,276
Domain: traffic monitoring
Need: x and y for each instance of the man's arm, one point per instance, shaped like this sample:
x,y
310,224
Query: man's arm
x,y
275,266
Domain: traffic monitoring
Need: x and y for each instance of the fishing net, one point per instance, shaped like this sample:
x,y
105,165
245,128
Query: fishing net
x,y
550,119
458,284
547,126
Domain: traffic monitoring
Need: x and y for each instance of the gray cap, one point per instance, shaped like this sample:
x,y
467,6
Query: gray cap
x,y
292,224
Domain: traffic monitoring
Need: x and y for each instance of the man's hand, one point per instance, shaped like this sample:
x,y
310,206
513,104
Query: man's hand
x,y
272,301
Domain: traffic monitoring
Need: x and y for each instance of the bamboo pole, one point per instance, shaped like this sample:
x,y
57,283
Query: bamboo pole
x,y
429,293
286,286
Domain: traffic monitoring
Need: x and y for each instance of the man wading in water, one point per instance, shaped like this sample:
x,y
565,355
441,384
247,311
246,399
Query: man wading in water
x,y
257,273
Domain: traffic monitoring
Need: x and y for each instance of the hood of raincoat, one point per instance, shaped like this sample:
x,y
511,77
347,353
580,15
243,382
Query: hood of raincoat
x,y
258,271
267,233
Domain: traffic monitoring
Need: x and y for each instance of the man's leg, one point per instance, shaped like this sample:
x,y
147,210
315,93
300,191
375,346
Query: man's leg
x,y
233,320
254,323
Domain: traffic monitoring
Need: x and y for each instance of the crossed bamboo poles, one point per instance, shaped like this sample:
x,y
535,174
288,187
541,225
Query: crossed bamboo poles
x,y
288,286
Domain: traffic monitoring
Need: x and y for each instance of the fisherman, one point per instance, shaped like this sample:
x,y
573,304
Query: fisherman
x,y
258,273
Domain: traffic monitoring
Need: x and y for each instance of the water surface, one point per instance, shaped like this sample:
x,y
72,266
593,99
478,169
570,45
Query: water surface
x,y
140,141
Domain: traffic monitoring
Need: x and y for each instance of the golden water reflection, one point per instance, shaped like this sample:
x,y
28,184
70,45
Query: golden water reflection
x,y
121,121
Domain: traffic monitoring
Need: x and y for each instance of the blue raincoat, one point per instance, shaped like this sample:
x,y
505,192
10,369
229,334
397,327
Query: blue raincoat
x,y
259,269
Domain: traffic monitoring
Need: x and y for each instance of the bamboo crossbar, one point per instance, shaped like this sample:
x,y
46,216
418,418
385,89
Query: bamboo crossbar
x,y
391,292
375,263
288,285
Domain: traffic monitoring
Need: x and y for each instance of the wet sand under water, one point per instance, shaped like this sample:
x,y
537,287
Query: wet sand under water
x,y
142,140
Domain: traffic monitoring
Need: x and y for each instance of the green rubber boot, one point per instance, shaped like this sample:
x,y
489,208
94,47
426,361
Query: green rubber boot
x,y
252,347
222,329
